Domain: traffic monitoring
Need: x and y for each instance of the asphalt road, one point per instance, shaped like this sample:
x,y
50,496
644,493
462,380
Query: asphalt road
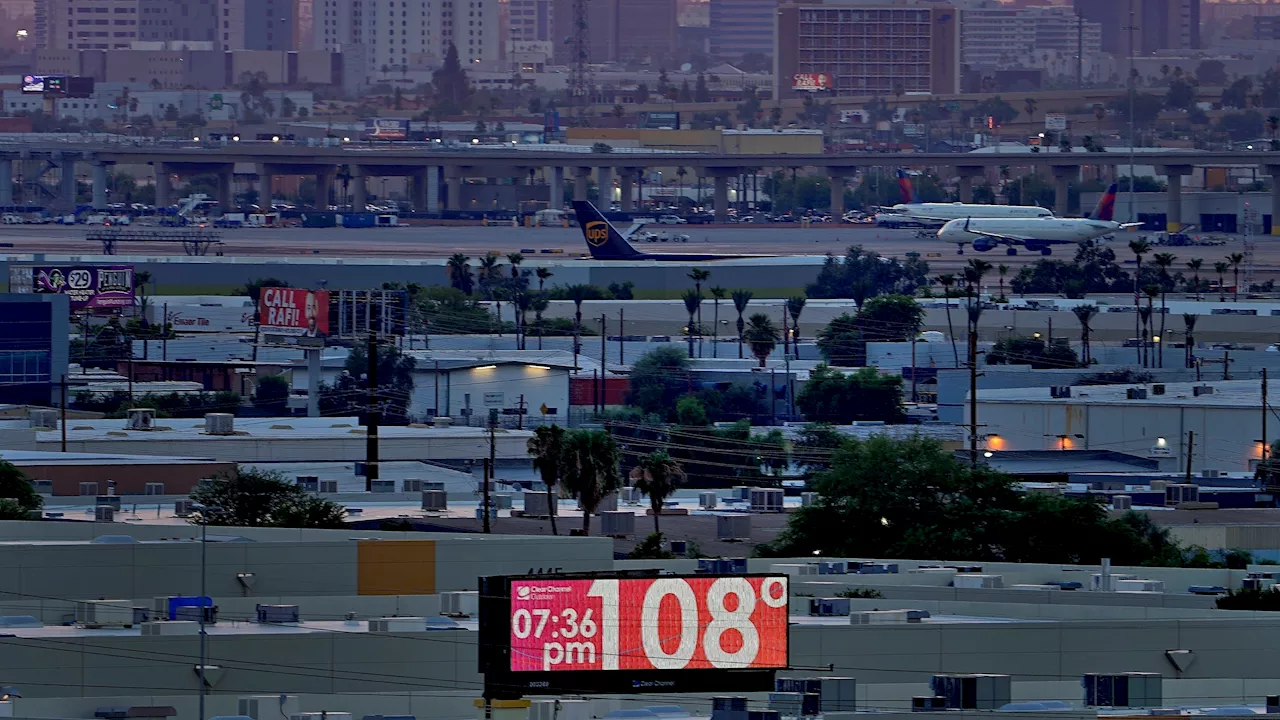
x,y
441,242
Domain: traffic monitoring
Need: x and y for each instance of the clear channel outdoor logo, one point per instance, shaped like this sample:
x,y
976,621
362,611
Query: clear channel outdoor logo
x,y
541,592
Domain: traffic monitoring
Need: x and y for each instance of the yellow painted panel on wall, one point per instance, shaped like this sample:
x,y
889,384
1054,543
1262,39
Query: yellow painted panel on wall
x,y
397,567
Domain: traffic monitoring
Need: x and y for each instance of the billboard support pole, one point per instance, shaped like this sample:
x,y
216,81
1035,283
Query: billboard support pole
x,y
371,434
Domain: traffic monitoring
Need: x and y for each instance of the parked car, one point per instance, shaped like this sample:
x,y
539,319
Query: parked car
x,y
671,220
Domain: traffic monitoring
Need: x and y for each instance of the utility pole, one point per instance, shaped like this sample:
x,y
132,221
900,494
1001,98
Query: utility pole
x,y
489,467
520,409
621,332
371,425
604,337
1191,438
786,333
436,382
164,338
1265,444
1132,93
1080,52
62,421
974,313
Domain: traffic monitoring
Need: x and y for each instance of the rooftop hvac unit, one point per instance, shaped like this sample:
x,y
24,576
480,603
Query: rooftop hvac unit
x,y
617,523
104,613
742,492
268,707
193,612
1095,580
1060,391
1159,485
1178,493
1209,473
411,485
170,627
325,715
111,501
794,569
398,624
536,504
1121,502
1139,585
835,694
808,499
382,486
460,603
722,566
43,418
1258,583
309,483
154,488
219,424
141,419
88,488
1136,393
182,508
832,567
794,704
733,527
928,703
707,500
442,422
728,703
828,607
329,486
1132,689
433,485
972,692
608,503
1157,389
887,617
104,513
766,500
630,495
972,580
277,614
1199,390
501,501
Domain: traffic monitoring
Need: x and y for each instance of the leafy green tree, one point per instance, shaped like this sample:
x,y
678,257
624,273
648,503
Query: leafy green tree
x,y
1211,72
842,277
257,498
701,93
272,393
653,547
1181,95
452,87
832,396
658,378
253,289
589,469
546,447
691,412
395,386
657,475
841,343
18,496
1033,351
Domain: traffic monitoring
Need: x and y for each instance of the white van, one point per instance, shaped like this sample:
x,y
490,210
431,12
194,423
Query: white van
x,y
11,219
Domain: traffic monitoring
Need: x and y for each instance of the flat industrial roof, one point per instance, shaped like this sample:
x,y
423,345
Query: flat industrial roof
x,y
1225,394
40,457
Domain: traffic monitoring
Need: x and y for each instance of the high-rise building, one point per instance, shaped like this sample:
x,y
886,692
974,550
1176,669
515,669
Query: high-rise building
x,y
619,30
1156,24
868,47
257,25
994,33
117,24
530,35
395,34
739,27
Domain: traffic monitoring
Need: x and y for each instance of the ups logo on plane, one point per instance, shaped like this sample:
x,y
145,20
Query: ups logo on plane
x,y
597,232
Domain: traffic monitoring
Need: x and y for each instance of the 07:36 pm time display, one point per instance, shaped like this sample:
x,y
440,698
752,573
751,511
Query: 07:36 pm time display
x,y
666,623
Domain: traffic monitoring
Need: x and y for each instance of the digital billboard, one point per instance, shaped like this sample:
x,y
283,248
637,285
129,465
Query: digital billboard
x,y
294,311
811,82
87,288
33,83
386,129
633,632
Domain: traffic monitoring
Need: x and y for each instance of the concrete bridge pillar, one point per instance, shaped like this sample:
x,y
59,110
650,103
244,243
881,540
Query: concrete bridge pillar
x,y
99,186
164,188
418,193
604,181
68,190
1173,214
1272,170
6,182
324,188
1062,176
226,193
837,177
433,190
626,189
966,175
581,184
721,198
359,190
555,188
453,197
265,190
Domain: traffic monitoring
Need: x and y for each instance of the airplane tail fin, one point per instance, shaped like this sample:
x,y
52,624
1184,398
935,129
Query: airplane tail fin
x,y
908,190
1106,205
603,239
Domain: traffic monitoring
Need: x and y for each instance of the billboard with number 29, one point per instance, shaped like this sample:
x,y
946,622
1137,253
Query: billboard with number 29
x,y
638,624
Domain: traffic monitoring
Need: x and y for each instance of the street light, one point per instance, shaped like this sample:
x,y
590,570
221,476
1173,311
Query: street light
x,y
204,511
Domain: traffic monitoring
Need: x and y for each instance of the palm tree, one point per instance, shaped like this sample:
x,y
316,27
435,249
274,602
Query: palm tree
x,y
589,469
523,301
740,300
719,294
1139,248
578,293
974,270
692,305
460,273
1221,268
1235,259
515,259
543,274
699,276
1148,332
1194,266
1164,261
947,280
539,304
1084,313
547,449
1273,125
657,476
761,334
1189,320
795,306
489,269
1029,107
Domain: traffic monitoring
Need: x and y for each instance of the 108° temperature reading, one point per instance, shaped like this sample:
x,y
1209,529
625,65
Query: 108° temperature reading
x,y
649,624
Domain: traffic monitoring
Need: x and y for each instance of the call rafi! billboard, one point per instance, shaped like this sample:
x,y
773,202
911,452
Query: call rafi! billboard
x,y
87,288
294,311
632,632
811,82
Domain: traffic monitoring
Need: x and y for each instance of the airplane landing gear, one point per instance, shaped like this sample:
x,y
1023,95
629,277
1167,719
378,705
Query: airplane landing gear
x,y
1011,251
1046,251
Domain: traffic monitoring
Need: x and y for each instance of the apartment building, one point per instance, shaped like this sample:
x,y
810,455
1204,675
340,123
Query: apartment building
x,y
396,35
994,33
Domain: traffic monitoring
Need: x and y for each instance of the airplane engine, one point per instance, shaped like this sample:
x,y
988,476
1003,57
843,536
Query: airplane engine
x,y
984,244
